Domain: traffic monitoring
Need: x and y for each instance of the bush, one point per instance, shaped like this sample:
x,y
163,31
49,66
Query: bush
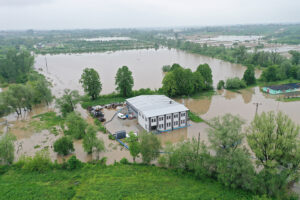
x,y
124,161
41,162
76,126
235,83
74,163
111,137
63,145
162,161
221,85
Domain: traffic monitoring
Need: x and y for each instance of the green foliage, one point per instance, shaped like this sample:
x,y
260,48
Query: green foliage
x,y
233,165
16,65
192,156
166,68
63,145
74,163
67,103
124,161
41,162
249,76
206,73
149,147
225,132
295,57
270,73
90,81
134,145
84,183
275,143
7,148
221,85
100,126
124,81
76,126
180,81
194,117
90,141
235,83
111,137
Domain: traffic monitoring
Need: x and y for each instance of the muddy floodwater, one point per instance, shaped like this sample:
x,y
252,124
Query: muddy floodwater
x,y
146,66
64,71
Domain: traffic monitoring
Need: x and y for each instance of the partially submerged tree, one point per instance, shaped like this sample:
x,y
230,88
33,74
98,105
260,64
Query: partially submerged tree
x,y
124,81
233,164
7,148
274,139
76,126
67,103
63,145
91,83
249,76
91,142
149,147
206,73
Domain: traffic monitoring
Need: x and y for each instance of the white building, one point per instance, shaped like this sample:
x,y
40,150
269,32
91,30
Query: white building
x,y
158,112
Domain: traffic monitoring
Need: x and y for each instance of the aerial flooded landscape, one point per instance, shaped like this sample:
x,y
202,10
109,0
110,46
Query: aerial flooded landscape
x,y
175,108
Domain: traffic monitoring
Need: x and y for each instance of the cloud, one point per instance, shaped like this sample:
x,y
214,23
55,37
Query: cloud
x,y
17,3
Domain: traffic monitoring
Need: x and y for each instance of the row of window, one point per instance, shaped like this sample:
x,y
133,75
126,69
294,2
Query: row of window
x,y
161,118
168,125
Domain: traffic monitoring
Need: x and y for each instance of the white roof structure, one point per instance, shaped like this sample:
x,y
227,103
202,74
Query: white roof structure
x,y
155,105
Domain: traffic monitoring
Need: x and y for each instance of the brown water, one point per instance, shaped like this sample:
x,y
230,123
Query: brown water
x,y
65,70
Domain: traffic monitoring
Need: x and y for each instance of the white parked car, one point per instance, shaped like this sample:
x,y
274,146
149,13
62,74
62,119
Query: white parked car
x,y
121,116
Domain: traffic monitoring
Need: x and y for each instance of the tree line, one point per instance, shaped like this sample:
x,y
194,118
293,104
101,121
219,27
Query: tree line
x,y
26,86
271,166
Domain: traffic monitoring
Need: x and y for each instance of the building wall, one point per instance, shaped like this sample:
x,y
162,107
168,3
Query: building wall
x,y
165,122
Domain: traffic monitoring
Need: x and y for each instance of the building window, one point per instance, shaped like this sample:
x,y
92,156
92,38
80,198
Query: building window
x,y
146,119
182,114
139,114
175,116
143,116
161,118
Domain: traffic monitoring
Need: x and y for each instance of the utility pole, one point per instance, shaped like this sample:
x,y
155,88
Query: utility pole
x,y
257,104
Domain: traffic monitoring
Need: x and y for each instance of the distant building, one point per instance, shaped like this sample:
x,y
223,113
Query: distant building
x,y
158,112
281,89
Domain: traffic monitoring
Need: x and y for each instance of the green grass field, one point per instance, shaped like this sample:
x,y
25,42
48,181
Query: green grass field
x,y
111,182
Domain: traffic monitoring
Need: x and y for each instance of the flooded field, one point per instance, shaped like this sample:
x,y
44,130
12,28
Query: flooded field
x,y
65,70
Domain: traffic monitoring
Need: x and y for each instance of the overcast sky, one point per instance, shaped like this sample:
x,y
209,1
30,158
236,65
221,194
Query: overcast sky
x,y
98,14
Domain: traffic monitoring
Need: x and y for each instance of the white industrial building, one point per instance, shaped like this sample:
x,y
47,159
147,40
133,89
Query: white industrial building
x,y
158,112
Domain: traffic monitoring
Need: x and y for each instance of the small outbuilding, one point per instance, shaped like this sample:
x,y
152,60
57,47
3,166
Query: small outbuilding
x,y
281,89
158,112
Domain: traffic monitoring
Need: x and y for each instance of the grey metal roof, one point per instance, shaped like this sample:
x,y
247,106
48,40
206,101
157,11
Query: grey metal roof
x,y
155,105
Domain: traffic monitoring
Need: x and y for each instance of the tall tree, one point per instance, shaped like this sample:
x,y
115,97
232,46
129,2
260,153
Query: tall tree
x,y
233,164
90,141
90,81
67,103
295,57
249,76
76,126
63,145
274,139
206,73
134,145
149,146
169,84
124,81
16,65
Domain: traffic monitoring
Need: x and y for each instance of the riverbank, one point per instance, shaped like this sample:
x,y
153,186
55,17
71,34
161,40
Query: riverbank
x,y
95,181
